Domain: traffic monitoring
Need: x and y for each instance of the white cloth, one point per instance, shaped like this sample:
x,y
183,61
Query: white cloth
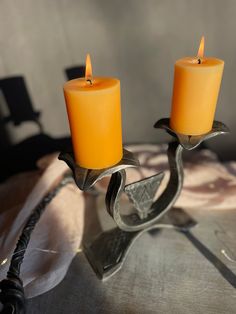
x,y
59,230
207,184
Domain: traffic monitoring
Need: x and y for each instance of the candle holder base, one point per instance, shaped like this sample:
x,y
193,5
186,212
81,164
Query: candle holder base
x,y
108,251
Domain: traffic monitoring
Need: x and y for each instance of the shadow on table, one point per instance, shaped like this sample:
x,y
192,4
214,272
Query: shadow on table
x,y
213,259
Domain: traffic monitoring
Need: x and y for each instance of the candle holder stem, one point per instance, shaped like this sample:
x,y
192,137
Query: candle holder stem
x,y
142,193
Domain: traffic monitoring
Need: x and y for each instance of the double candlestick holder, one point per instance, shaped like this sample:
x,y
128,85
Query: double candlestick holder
x,y
107,252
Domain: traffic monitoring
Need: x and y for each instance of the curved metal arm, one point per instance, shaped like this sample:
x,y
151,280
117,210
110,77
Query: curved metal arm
x,y
142,192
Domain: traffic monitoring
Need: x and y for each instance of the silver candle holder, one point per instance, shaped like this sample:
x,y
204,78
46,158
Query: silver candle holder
x,y
107,252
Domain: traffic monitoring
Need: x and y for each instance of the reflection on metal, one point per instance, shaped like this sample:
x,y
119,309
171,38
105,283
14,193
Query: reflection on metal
x,y
107,252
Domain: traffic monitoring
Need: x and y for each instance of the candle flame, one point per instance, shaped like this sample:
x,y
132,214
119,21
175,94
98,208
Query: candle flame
x,y
88,69
200,53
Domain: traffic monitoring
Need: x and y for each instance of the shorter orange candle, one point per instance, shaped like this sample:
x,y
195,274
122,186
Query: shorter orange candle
x,y
196,87
93,107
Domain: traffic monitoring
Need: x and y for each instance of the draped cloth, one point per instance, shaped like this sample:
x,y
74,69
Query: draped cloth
x,y
56,239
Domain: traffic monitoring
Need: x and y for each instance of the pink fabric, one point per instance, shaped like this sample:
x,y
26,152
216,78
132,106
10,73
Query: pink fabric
x,y
207,182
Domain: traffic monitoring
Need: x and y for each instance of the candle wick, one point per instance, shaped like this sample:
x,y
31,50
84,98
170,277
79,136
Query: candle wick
x,y
199,61
89,81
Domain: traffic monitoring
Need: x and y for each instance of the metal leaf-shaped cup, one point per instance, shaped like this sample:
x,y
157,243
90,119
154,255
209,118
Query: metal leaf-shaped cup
x,y
190,142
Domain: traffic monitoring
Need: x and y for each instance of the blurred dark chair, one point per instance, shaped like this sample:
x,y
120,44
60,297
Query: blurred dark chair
x,y
23,155
18,101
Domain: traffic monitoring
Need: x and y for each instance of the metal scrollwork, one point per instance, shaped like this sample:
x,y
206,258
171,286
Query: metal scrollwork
x,y
141,194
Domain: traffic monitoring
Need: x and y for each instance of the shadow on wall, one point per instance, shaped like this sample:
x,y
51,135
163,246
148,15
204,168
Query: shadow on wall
x,y
18,102
24,155
75,72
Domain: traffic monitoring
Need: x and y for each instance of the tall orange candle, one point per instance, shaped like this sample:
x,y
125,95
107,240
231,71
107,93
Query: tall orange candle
x,y
196,87
94,113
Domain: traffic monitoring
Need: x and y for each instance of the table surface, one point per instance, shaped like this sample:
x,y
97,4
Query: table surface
x,y
165,272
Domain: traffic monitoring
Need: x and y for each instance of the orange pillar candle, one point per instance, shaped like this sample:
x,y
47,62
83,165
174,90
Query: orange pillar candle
x,y
94,113
196,87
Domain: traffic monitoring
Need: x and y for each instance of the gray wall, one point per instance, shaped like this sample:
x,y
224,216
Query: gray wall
x,y
136,41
